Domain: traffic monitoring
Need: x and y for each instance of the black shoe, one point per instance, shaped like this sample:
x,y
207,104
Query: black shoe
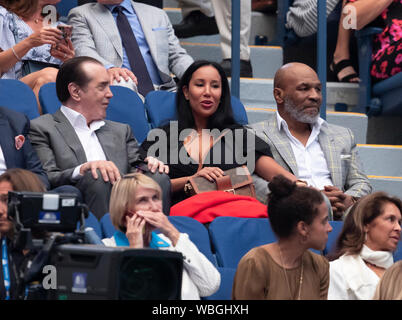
x,y
246,71
196,24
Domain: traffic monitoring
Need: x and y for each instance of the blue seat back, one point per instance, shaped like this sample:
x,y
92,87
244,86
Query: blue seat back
x,y
225,290
94,223
382,98
333,236
398,252
107,227
64,7
239,112
197,232
127,107
161,108
233,237
18,96
389,91
48,98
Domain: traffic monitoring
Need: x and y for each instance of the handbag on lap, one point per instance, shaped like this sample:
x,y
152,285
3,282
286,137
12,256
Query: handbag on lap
x,y
237,181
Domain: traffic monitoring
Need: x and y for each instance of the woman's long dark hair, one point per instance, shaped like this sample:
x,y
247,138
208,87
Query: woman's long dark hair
x,y
222,118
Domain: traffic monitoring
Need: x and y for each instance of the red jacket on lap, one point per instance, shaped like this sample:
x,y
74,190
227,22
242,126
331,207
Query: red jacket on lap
x,y
206,206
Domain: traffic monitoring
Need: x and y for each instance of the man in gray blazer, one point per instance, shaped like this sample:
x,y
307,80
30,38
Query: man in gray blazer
x,y
96,34
78,147
322,154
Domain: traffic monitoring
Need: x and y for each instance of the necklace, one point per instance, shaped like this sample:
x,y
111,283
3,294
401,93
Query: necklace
x,y
286,277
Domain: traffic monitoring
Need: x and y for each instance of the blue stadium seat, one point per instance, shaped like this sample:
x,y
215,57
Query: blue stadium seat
x,y
233,237
107,227
225,290
398,252
94,223
197,232
48,98
127,107
64,7
18,96
161,108
333,235
382,98
239,111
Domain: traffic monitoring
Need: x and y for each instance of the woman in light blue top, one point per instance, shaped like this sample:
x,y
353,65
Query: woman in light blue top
x,y
26,34
136,211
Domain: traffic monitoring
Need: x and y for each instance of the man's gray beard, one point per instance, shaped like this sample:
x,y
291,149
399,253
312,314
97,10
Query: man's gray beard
x,y
298,114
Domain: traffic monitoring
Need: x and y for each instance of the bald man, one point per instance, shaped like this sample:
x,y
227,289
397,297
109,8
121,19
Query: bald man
x,y
322,154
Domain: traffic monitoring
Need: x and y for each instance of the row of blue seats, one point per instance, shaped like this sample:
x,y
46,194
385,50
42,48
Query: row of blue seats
x,y
125,106
226,241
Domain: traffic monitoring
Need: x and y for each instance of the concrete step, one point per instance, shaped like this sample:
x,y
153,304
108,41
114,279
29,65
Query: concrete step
x,y
258,92
261,25
357,122
259,56
381,160
170,4
390,185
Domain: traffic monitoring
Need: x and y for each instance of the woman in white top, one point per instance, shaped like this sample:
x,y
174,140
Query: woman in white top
x,y
136,210
370,234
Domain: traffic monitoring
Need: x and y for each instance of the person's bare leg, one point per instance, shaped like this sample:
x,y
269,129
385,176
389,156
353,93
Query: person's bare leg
x,y
36,80
342,50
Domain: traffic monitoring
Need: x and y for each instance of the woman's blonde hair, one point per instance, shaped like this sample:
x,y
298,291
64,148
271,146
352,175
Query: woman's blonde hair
x,y
123,195
390,285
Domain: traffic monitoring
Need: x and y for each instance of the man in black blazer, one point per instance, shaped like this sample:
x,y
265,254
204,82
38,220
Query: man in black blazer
x,y
17,151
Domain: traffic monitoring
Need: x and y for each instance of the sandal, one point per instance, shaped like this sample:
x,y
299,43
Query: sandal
x,y
338,67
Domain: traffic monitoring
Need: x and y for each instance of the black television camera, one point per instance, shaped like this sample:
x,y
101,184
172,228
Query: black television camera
x,y
41,222
46,224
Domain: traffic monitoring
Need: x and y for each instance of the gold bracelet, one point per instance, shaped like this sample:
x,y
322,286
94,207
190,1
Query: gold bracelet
x,y
15,54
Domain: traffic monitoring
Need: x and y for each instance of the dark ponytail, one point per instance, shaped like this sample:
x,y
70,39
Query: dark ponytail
x,y
288,204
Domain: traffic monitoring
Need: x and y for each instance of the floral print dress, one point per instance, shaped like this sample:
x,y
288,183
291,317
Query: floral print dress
x,y
13,30
387,46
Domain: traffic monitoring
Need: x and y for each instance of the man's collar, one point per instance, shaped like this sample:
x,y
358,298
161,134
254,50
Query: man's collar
x,y
78,120
282,123
126,4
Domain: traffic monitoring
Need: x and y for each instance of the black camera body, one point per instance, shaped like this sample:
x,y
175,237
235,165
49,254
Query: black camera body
x,y
50,212
116,273
46,224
